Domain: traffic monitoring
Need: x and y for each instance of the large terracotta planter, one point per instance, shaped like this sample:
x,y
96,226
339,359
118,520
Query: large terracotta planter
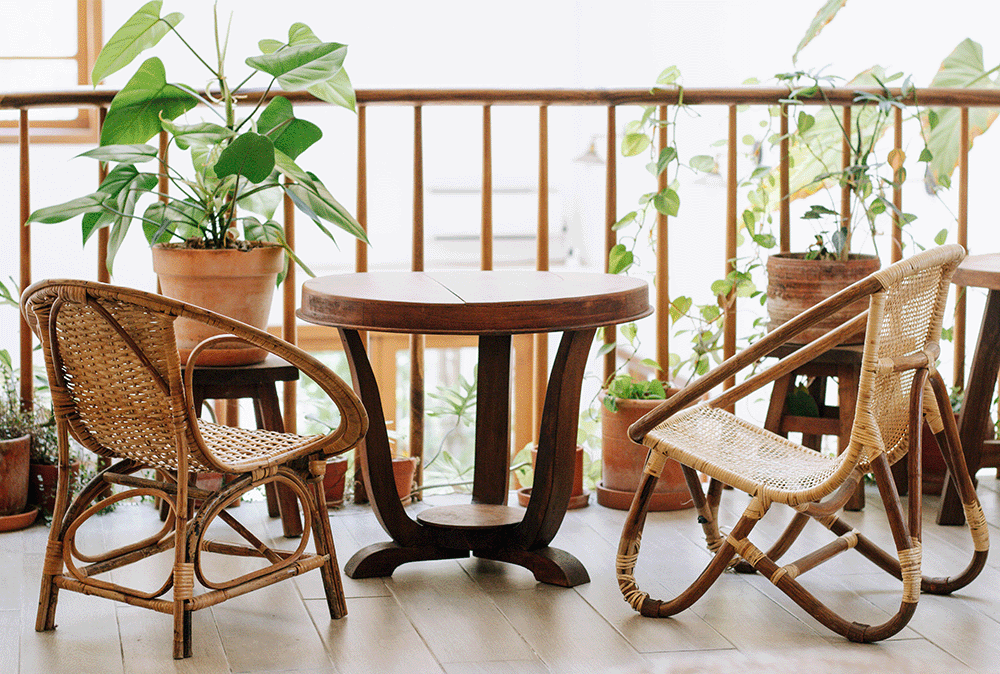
x,y
14,459
795,284
236,283
622,462
403,469
43,481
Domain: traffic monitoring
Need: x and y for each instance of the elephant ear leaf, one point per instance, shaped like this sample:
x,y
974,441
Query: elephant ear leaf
x,y
289,134
963,67
135,112
823,16
143,30
250,155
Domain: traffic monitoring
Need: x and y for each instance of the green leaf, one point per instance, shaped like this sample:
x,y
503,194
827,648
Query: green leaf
x,y
634,143
143,30
202,134
122,154
721,287
135,112
925,155
962,68
312,198
668,76
250,155
337,90
62,212
667,155
606,349
805,122
703,162
264,201
298,67
667,202
679,307
941,237
626,219
619,259
127,199
289,134
270,46
649,362
800,403
630,331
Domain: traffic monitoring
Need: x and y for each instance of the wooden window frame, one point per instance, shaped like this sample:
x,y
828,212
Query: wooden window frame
x,y
84,127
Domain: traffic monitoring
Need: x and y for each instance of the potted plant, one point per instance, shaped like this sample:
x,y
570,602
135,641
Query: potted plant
x,y
217,223
16,426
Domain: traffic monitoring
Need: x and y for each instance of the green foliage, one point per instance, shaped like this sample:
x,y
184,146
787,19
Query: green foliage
x,y
237,163
624,386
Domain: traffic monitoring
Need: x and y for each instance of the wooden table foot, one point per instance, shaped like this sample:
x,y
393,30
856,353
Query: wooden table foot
x,y
549,565
381,559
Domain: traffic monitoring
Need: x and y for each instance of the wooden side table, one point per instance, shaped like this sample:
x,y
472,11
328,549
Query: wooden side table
x,y
493,306
978,271
257,382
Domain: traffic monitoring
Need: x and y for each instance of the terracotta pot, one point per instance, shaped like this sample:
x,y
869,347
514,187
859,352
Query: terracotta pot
x,y
42,482
238,284
578,497
334,480
622,462
795,284
403,469
14,458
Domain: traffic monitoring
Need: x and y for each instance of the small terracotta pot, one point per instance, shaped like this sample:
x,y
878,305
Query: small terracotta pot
x,y
622,462
578,497
334,480
42,482
403,469
795,284
15,454
238,284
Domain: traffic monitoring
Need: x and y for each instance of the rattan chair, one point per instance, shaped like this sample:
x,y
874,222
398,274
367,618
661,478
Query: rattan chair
x,y
117,388
898,385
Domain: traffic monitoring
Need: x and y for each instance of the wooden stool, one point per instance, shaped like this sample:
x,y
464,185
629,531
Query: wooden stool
x,y
258,383
844,363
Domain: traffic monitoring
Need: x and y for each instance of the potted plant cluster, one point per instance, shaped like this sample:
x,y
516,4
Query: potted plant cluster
x,y
217,221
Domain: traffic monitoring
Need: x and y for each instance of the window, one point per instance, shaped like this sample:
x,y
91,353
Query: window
x,y
46,46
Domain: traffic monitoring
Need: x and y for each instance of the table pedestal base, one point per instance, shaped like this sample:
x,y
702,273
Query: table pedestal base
x,y
548,565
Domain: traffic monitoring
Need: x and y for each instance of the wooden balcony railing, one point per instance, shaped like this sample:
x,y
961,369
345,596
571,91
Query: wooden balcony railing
x,y
542,99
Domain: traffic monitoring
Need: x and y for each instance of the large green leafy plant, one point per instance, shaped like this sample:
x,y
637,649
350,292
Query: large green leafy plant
x,y
240,165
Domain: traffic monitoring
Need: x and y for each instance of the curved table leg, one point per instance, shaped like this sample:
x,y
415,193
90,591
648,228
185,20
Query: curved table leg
x,y
553,480
975,406
376,454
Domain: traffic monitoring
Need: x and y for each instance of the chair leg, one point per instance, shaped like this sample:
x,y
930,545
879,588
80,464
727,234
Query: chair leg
x,y
45,619
333,584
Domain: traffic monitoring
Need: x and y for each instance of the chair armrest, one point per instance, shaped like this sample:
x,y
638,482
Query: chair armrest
x,y
762,348
353,418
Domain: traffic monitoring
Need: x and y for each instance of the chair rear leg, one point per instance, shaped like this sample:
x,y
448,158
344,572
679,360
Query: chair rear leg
x,y
333,584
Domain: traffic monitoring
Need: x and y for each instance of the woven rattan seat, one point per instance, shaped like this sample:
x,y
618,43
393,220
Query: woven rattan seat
x,y
117,388
725,447
898,388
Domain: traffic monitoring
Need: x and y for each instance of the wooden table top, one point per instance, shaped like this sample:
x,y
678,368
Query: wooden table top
x,y
473,302
979,271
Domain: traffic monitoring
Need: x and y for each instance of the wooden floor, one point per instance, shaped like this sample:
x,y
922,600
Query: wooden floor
x,y
469,616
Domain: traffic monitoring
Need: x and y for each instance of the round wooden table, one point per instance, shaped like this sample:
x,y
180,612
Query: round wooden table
x,y
493,305
977,271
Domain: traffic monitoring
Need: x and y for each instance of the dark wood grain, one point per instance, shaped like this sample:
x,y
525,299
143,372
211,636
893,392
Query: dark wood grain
x,y
494,305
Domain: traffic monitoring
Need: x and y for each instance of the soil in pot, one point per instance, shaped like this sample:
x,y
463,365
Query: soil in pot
x,y
236,283
795,284
622,462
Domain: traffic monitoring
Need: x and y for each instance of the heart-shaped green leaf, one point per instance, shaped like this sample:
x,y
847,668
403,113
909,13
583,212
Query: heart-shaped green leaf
x,y
289,134
143,30
135,112
337,90
201,134
250,155
297,67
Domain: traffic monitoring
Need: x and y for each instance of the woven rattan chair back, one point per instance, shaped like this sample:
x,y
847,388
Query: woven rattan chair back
x,y
117,375
905,319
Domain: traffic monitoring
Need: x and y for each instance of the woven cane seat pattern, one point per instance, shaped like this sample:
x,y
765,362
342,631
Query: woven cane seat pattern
x,y
725,447
244,449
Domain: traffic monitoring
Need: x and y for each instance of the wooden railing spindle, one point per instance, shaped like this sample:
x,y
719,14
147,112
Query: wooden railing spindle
x,y
662,268
610,210
27,386
958,336
541,341
417,341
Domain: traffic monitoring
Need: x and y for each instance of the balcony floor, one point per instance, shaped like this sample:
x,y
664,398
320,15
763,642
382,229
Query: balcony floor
x,y
470,616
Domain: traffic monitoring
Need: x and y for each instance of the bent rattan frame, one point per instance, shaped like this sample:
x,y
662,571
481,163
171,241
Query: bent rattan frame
x,y
899,387
115,378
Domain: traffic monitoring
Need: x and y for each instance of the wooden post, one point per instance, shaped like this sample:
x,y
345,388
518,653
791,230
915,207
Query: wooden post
x,y
958,335
784,208
486,229
610,210
289,408
896,249
103,234
417,341
541,341
729,336
662,269
27,379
